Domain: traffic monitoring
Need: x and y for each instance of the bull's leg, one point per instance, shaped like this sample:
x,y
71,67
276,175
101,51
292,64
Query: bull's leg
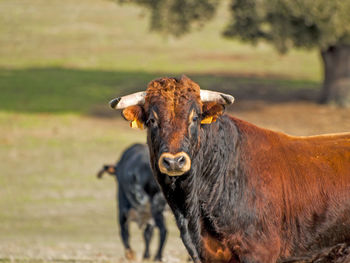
x,y
260,250
160,223
147,235
182,224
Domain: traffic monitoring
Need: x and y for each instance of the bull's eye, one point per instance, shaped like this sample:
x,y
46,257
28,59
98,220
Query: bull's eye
x,y
151,122
195,118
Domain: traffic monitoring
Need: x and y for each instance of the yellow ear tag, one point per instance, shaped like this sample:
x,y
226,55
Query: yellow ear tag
x,y
136,124
208,120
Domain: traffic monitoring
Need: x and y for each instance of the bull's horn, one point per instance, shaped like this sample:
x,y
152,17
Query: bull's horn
x,y
208,95
137,98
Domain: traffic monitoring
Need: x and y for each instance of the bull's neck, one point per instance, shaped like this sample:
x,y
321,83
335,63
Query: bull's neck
x,y
214,162
218,152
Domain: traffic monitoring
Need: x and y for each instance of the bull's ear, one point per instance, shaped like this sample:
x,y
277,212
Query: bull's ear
x,y
135,115
211,111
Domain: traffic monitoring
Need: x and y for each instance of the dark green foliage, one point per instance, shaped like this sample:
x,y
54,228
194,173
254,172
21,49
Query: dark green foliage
x,y
284,23
288,23
177,17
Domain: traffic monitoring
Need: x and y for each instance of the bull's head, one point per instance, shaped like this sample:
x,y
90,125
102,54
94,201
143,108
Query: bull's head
x,y
173,112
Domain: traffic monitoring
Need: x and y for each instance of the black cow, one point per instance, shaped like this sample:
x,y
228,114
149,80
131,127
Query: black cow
x,y
139,196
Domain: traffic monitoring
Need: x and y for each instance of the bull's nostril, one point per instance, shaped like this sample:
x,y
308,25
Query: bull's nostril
x,y
181,161
166,162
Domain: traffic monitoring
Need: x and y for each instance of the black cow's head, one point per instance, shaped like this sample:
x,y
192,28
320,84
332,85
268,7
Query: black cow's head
x,y
173,112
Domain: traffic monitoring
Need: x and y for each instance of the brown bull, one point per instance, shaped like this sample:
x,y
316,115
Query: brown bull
x,y
241,193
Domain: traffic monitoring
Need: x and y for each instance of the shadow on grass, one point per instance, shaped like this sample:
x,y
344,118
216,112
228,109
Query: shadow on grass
x,y
64,90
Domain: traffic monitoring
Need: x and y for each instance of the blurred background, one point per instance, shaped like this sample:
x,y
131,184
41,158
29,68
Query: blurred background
x,y
62,61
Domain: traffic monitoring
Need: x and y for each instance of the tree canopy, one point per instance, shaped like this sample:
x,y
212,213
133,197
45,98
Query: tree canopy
x,y
284,23
288,23
321,24
177,17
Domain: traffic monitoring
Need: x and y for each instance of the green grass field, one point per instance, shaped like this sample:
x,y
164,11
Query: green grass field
x,y
60,64
72,56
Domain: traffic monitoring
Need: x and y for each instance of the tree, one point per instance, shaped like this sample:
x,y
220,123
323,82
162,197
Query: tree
x,y
177,17
321,24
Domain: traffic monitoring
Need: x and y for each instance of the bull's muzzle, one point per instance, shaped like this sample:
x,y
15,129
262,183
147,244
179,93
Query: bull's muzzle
x,y
174,164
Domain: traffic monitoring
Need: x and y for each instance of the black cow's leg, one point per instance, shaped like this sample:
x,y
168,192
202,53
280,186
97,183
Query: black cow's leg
x,y
147,234
123,222
124,230
160,223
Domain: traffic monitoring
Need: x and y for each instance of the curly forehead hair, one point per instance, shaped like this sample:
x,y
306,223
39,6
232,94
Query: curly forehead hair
x,y
172,92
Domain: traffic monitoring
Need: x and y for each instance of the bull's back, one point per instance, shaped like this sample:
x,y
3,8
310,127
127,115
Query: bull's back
x,y
274,155
307,182
318,168
324,156
318,189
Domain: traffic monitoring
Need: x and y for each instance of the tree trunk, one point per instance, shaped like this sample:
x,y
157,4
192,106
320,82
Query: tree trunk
x,y
336,85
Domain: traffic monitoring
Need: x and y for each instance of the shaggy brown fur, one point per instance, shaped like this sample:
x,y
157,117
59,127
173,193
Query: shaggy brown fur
x,y
252,195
